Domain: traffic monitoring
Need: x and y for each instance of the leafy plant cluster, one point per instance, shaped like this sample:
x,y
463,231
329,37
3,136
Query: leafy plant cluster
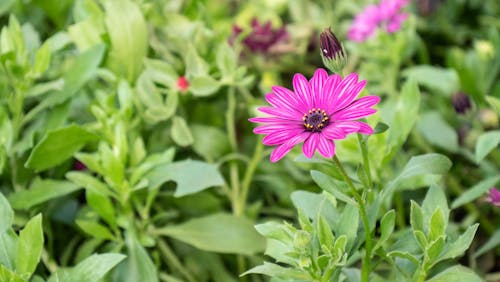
x,y
112,168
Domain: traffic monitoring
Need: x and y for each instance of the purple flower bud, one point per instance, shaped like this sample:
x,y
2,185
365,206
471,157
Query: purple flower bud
x,y
494,197
461,102
332,52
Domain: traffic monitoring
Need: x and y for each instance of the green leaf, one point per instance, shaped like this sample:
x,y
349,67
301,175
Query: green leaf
x,y
102,205
88,182
492,242
95,229
209,142
380,128
226,59
333,186
404,255
274,270
202,86
6,214
348,224
494,102
180,132
420,238
486,143
8,275
426,164
475,192
8,248
191,176
29,246
434,199
81,71
92,269
405,116
274,230
459,246
138,266
41,191
387,224
313,204
437,226
129,37
435,248
324,232
437,131
57,146
444,81
237,233
416,217
456,273
42,60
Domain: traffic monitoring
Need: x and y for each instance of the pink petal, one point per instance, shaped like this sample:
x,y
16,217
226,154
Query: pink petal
x,y
274,120
302,89
333,132
364,128
280,137
273,127
326,147
286,94
317,82
347,91
283,104
331,84
310,145
363,103
282,113
353,114
280,151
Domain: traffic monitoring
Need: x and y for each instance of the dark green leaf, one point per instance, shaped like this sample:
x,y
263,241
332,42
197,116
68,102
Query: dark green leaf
x,y
492,242
57,146
41,191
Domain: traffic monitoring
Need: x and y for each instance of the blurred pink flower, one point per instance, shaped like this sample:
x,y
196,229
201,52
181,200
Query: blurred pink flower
x,y
386,14
182,84
316,112
494,197
262,38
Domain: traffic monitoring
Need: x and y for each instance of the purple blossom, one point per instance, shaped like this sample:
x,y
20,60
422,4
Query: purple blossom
x,y
262,38
386,14
494,197
316,112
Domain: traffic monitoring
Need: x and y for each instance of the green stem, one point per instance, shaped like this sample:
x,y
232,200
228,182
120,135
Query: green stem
x,y
247,178
365,267
366,161
231,134
173,260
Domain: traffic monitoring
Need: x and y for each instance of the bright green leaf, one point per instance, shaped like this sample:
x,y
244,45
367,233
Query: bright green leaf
x,y
202,86
461,244
41,191
221,233
138,266
57,146
95,229
324,232
129,37
486,143
437,226
475,192
29,246
102,205
180,132
445,81
6,214
456,273
274,270
191,176
92,269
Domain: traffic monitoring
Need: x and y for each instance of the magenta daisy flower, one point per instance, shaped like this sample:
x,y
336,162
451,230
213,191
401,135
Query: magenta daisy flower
x,y
494,197
316,112
386,14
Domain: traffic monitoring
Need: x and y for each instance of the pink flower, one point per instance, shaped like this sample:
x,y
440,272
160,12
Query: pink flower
x,y
494,197
385,14
182,84
263,37
316,112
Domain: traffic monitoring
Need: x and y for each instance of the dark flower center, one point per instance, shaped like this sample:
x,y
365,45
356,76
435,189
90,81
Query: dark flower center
x,y
315,120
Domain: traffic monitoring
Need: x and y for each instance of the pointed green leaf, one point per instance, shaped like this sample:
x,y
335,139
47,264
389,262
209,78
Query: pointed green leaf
x,y
6,214
29,246
40,191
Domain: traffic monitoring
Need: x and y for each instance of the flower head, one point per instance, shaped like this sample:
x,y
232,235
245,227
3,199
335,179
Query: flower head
x,y
332,52
386,14
461,102
316,112
262,38
182,84
494,197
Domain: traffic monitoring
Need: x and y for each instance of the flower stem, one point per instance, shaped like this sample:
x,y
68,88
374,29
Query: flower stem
x,y
231,134
247,179
366,161
365,267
